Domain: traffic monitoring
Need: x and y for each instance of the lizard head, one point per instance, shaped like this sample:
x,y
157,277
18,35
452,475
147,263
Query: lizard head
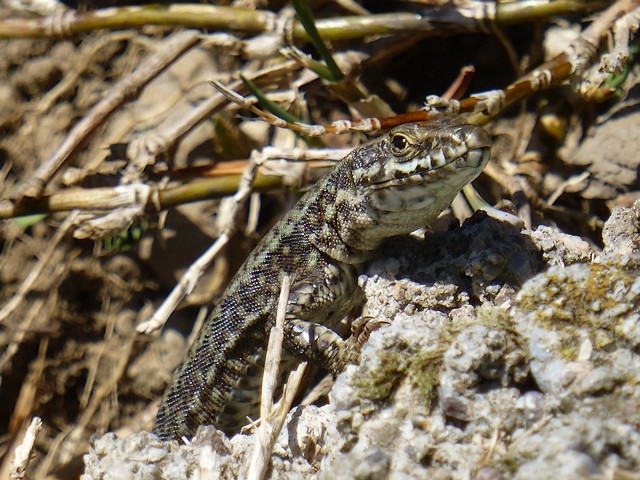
x,y
416,172
423,163
395,185
421,159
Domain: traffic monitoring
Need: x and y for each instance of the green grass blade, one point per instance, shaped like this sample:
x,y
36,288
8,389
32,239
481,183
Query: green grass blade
x,y
305,16
268,104
278,111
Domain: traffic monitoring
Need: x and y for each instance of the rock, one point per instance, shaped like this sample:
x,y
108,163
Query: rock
x,y
507,354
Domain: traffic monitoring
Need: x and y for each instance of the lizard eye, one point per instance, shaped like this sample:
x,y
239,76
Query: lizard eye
x,y
400,144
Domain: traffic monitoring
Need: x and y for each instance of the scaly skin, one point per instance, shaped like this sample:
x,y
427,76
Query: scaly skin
x,y
392,186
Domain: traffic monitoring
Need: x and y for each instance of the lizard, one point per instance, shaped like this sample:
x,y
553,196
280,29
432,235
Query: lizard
x,y
392,186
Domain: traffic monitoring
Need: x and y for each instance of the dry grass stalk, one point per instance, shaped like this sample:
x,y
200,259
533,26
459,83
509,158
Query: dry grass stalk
x,y
65,445
129,87
462,16
34,274
272,417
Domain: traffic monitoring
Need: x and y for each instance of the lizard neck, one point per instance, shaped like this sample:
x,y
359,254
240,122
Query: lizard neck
x,y
339,221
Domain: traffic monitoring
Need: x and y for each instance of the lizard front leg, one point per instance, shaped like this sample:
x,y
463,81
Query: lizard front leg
x,y
317,302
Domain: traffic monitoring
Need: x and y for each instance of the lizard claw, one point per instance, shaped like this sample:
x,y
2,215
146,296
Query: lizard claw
x,y
363,327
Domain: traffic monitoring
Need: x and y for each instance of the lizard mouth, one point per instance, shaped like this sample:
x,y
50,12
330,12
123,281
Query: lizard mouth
x,y
434,168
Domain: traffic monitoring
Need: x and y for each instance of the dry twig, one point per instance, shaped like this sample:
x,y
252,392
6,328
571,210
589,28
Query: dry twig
x,y
24,450
171,49
34,274
482,107
470,16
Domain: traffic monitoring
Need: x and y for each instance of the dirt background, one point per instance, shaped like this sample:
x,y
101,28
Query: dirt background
x,y
69,306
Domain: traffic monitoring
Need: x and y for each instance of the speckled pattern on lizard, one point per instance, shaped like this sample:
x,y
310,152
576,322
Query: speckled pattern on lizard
x,y
391,186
